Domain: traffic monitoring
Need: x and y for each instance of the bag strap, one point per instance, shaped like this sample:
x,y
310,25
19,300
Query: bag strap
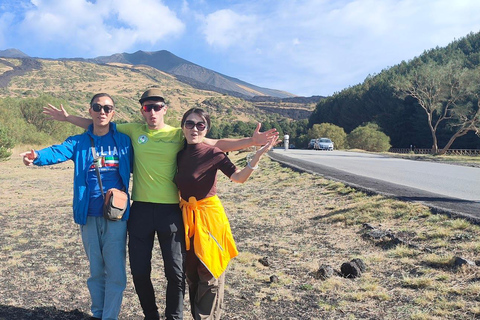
x,y
96,167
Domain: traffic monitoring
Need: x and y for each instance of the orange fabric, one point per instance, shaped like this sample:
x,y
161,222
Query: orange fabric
x,y
205,220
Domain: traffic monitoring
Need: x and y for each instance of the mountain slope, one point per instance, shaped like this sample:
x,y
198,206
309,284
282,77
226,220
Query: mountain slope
x,y
193,74
12,53
75,81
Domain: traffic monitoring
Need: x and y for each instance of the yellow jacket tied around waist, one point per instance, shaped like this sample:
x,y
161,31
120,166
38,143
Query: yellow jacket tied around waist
x,y
205,220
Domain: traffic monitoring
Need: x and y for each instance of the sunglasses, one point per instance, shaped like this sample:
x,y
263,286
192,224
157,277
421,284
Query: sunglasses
x,y
189,124
98,107
156,107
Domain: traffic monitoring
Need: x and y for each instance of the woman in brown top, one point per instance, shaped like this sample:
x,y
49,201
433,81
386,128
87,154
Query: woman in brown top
x,y
209,240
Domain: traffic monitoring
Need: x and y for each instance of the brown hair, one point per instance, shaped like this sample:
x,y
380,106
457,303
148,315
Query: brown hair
x,y
202,113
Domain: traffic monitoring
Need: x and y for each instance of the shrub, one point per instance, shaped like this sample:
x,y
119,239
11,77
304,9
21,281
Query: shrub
x,y
369,137
328,130
6,144
25,123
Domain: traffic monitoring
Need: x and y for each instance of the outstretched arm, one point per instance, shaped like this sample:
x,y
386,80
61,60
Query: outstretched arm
x,y
241,176
258,139
61,115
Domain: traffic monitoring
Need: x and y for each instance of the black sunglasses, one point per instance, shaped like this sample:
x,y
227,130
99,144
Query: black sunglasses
x,y
156,107
189,124
98,107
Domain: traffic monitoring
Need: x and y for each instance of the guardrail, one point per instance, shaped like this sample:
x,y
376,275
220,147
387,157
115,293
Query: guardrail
x,y
457,152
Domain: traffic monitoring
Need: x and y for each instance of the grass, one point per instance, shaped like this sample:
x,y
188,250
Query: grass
x,y
298,221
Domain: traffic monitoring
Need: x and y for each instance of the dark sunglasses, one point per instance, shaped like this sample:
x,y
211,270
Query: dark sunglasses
x,y
98,107
156,107
189,124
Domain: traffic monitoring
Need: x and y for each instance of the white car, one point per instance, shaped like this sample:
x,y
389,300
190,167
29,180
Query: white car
x,y
323,144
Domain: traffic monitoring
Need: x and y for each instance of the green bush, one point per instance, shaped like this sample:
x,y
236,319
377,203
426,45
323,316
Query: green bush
x,y
6,144
328,130
369,138
25,122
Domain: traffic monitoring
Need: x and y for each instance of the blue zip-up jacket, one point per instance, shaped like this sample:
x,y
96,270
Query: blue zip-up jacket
x,y
78,149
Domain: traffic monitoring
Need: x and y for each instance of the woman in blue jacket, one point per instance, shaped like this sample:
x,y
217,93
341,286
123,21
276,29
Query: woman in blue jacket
x,y
104,240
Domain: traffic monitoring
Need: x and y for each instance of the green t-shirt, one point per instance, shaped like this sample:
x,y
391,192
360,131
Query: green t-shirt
x,y
155,161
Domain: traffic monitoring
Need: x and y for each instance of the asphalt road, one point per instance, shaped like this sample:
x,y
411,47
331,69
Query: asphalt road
x,y
445,188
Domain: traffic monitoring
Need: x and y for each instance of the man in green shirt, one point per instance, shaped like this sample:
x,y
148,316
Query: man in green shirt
x,y
155,209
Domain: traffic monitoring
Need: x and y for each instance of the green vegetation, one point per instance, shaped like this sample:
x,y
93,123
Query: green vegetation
x,y
6,144
22,122
328,130
369,138
432,100
447,93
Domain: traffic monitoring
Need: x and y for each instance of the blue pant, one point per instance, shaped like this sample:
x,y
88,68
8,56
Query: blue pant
x,y
105,245
165,221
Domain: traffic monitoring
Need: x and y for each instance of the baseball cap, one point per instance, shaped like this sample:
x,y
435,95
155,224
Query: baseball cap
x,y
152,94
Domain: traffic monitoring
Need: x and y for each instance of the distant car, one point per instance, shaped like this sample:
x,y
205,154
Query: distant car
x,y
311,144
323,144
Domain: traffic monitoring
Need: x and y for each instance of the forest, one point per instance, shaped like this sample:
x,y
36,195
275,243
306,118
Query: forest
x,y
431,101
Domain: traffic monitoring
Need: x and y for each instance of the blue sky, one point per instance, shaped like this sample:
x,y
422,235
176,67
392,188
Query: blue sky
x,y
306,47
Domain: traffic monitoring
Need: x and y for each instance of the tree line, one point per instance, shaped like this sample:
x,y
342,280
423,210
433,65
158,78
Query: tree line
x,y
22,122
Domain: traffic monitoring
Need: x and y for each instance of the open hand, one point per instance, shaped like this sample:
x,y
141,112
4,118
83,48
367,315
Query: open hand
x,y
28,157
54,113
269,145
262,138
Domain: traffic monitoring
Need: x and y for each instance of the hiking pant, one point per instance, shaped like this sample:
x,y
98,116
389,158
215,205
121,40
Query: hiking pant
x,y
165,220
105,244
206,293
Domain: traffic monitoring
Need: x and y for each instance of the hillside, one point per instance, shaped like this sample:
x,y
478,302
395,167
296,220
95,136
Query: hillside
x,y
77,81
193,74
185,71
447,79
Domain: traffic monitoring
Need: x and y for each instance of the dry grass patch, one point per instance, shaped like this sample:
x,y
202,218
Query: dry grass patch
x,y
297,221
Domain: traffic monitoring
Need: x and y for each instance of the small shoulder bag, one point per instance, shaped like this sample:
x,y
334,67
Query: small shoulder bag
x,y
115,200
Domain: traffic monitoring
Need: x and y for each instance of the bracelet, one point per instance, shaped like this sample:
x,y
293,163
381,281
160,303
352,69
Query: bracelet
x,y
253,168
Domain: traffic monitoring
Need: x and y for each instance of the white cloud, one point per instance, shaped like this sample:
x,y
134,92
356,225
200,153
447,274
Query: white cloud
x,y
149,19
104,27
225,28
